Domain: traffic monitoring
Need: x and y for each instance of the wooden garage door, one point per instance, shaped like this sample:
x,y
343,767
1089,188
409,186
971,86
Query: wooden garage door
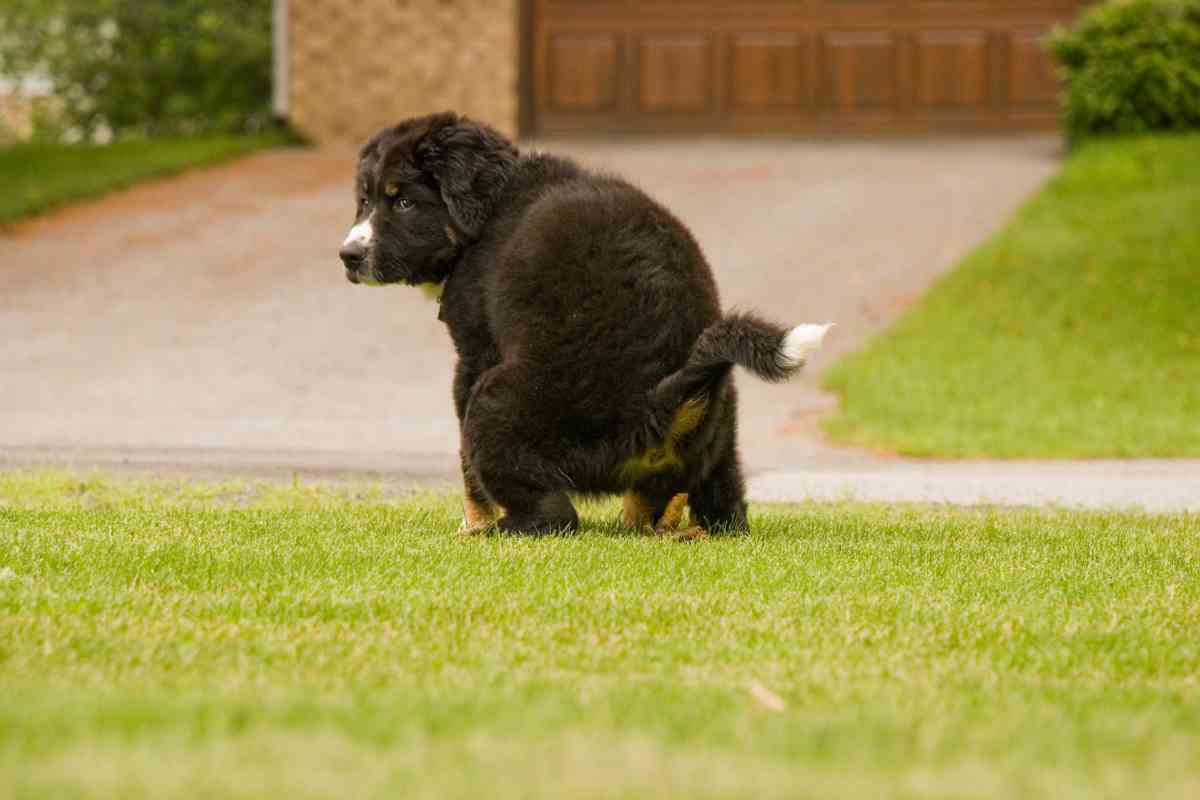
x,y
792,65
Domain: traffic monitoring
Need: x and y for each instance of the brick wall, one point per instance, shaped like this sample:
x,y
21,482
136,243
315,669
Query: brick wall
x,y
354,66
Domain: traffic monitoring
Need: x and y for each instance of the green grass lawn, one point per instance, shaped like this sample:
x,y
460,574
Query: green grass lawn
x,y
191,641
1075,332
38,177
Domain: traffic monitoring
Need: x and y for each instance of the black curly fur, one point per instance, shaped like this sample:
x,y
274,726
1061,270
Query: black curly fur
x,y
584,316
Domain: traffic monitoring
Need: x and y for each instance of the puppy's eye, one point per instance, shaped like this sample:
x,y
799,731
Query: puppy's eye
x,y
404,204
391,190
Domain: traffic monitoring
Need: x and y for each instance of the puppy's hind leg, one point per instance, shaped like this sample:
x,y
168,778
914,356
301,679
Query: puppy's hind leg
x,y
479,515
637,511
526,483
719,500
551,512
663,517
528,489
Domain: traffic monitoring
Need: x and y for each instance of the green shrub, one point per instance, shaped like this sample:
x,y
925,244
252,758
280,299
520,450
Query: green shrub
x,y
143,67
1131,66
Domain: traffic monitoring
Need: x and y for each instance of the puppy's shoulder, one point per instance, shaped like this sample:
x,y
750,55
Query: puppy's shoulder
x,y
573,195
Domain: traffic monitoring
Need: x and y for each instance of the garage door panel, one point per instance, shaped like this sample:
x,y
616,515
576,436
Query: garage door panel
x,y
842,13
792,65
952,70
860,71
1031,78
583,72
769,71
674,73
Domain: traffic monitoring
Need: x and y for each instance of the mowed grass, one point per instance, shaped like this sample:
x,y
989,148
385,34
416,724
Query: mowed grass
x,y
39,177
225,640
1075,332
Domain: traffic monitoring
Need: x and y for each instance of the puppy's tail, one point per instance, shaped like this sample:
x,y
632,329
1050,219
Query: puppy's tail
x,y
771,352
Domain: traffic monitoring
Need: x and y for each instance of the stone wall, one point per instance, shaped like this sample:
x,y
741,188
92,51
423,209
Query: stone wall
x,y
354,66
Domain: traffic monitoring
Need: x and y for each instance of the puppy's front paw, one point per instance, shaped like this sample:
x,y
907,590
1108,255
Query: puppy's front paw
x,y
478,529
478,518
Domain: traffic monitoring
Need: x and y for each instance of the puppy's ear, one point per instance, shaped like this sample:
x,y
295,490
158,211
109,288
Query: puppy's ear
x,y
471,164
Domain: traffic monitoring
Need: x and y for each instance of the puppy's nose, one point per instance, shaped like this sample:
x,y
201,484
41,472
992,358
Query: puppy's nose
x,y
353,254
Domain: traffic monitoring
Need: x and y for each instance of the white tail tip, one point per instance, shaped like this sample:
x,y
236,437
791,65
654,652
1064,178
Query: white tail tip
x,y
801,341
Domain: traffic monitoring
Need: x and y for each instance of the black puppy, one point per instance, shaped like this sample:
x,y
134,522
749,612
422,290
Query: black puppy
x,y
592,352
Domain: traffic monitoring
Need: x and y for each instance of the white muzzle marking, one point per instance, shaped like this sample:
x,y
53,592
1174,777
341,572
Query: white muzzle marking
x,y
362,233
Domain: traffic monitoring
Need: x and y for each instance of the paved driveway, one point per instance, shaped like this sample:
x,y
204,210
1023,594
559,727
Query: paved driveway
x,y
204,323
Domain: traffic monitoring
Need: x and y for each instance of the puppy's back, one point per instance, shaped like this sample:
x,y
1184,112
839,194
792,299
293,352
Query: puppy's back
x,y
602,288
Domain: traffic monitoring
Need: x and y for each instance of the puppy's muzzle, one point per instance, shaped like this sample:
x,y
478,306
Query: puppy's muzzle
x,y
353,254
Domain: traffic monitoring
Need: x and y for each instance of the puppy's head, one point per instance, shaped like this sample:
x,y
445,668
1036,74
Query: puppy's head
x,y
424,190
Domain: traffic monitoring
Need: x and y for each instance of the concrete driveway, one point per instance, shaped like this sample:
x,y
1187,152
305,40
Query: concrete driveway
x,y
203,323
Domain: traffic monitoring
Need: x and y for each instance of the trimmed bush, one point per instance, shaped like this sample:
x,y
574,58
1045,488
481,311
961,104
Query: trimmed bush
x,y
136,68
1131,66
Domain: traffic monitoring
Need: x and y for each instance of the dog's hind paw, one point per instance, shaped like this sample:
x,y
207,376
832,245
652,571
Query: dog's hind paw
x,y
686,535
672,516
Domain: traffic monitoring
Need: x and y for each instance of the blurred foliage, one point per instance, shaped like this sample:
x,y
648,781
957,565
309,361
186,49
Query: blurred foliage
x,y
1132,66
134,68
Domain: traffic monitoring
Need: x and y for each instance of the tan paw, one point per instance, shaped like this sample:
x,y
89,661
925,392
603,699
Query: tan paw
x,y
635,513
672,516
686,535
478,529
478,518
